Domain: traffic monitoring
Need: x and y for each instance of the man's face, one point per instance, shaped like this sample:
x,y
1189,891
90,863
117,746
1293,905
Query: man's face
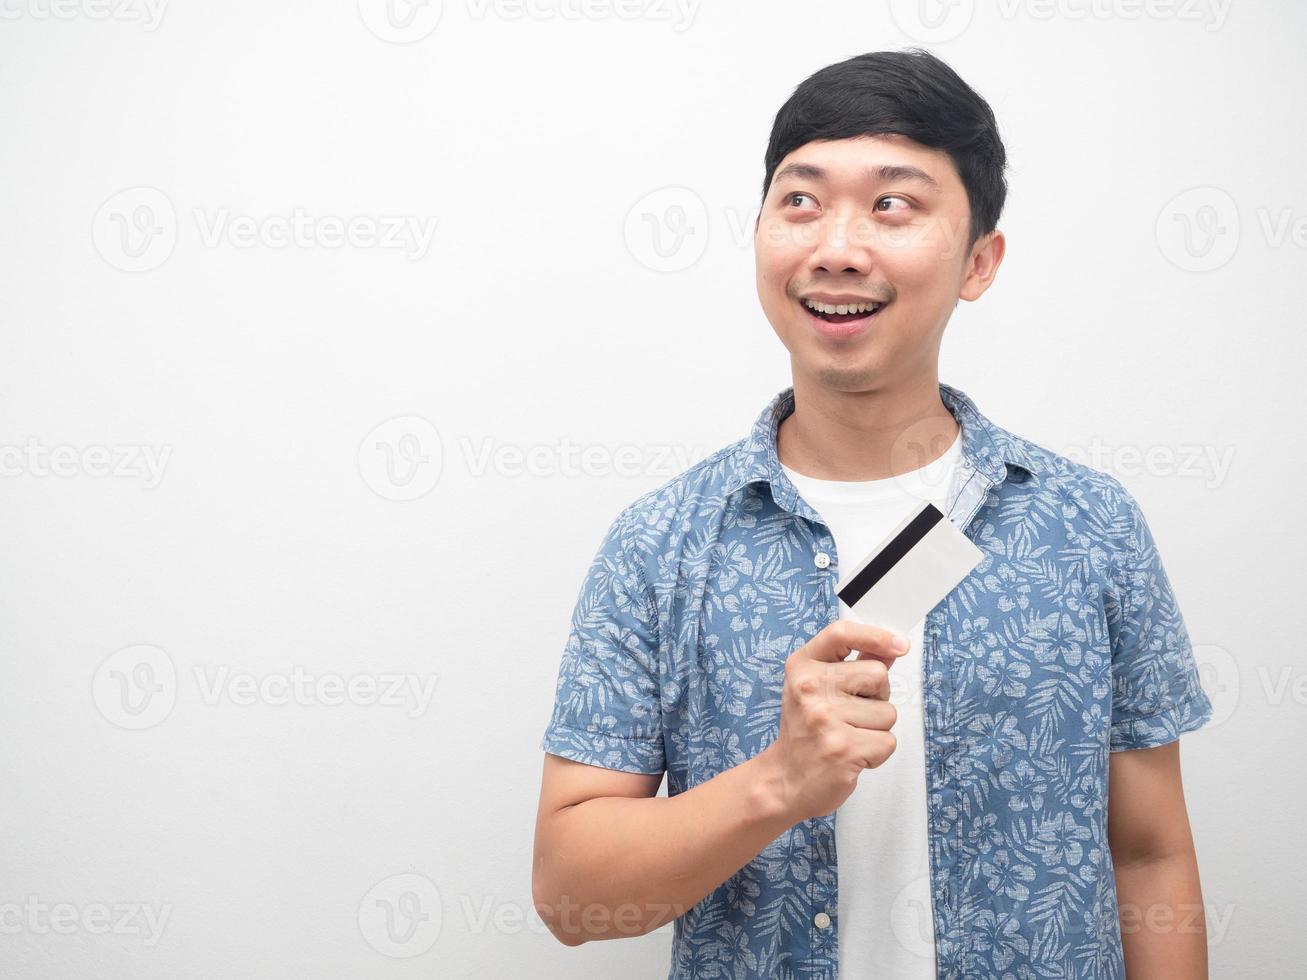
x,y
854,220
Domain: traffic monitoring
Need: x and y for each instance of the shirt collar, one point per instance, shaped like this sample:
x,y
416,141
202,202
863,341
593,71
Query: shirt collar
x,y
988,448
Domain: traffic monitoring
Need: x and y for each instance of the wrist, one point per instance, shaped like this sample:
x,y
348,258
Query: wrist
x,y
768,798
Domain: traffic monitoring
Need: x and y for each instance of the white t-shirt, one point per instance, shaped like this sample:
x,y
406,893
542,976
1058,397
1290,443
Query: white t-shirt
x,y
886,931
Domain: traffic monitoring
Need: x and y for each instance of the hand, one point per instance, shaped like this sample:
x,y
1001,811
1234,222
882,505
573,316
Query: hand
x,y
835,717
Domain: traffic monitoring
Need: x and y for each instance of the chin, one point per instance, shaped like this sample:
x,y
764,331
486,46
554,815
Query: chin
x,y
847,377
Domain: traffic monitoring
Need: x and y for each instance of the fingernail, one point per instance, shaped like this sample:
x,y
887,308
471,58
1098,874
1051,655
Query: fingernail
x,y
899,642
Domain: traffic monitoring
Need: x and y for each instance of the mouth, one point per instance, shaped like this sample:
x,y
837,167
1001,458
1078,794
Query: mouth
x,y
841,319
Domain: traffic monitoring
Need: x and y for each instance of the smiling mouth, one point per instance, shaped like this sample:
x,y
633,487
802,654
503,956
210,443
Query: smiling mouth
x,y
851,312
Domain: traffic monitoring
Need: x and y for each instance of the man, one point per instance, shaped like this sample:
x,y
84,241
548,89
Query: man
x,y
996,794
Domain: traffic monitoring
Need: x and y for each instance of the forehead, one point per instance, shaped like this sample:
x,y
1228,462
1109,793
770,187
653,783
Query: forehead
x,y
865,160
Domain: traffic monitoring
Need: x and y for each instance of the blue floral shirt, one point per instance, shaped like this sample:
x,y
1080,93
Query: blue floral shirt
x,y
1064,644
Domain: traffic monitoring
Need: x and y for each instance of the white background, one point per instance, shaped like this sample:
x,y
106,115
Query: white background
x,y
151,307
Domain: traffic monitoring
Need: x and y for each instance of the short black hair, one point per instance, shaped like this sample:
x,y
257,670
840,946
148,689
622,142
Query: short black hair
x,y
914,94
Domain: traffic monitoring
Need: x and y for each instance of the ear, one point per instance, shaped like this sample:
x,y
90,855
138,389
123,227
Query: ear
x,y
982,265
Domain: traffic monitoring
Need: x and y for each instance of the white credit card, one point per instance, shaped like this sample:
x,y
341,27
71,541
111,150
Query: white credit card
x,y
916,565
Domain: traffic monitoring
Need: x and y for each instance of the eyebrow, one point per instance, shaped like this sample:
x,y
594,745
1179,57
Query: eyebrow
x,y
885,173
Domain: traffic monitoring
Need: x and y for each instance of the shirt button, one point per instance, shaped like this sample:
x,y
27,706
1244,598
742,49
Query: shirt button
x,y
822,560
821,920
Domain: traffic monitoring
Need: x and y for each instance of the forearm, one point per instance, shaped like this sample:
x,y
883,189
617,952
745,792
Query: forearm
x,y
1163,926
616,867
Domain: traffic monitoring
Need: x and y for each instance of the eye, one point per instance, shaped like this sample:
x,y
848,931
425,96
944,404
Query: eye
x,y
890,197
789,198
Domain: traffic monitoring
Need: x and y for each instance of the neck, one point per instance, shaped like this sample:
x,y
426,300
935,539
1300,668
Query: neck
x,y
856,436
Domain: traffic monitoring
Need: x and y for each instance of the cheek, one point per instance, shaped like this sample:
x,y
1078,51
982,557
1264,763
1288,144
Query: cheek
x,y
926,255
919,274
775,266
778,242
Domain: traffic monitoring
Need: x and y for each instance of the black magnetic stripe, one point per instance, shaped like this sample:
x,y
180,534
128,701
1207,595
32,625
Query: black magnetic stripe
x,y
891,554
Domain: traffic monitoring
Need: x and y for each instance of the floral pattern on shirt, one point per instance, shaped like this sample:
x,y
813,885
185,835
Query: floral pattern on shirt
x,y
1063,645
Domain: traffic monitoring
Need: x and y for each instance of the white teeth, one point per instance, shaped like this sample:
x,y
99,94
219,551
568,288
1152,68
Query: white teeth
x,y
841,307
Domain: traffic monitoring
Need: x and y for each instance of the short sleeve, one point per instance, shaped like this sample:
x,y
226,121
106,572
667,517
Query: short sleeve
x,y
606,705
1156,692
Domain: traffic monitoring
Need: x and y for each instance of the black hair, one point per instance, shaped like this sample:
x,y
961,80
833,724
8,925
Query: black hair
x,y
911,93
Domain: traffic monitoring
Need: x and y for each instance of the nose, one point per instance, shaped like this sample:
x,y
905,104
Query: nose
x,y
842,245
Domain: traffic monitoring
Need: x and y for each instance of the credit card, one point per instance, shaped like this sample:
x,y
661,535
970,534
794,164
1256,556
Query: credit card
x,y
916,565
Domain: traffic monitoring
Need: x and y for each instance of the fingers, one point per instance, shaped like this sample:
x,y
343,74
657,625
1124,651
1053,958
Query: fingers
x,y
837,640
808,681
868,713
862,678
874,747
